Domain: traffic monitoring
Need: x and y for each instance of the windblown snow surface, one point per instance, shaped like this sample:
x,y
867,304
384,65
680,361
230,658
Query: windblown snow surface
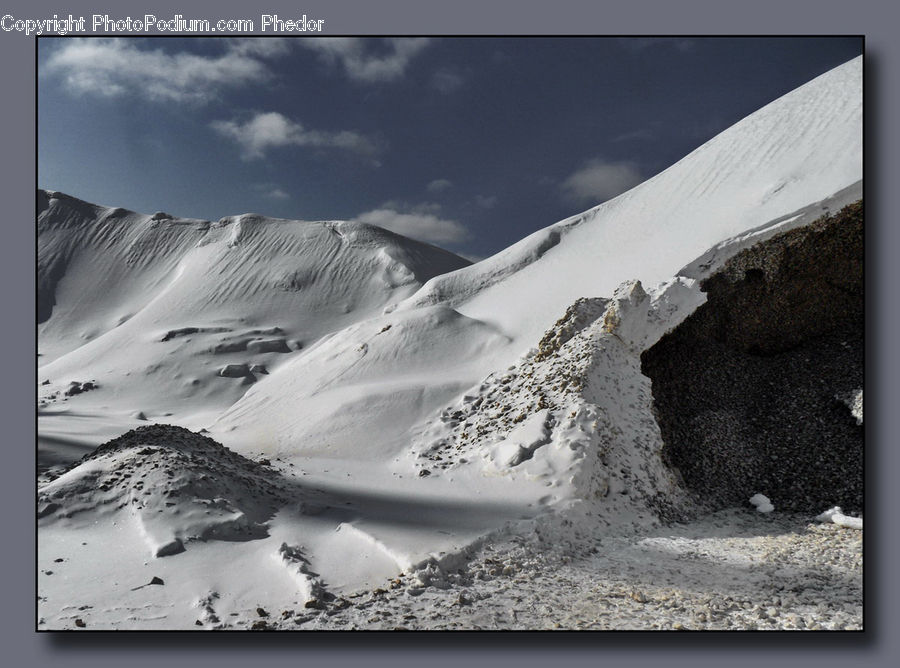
x,y
172,319
403,431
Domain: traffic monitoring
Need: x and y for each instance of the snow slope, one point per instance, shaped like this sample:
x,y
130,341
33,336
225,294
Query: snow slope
x,y
167,317
777,163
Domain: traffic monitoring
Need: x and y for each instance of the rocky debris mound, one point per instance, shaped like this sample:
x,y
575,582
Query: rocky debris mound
x,y
578,316
575,412
745,387
181,486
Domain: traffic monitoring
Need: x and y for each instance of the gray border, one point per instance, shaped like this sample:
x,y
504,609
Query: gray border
x,y
22,647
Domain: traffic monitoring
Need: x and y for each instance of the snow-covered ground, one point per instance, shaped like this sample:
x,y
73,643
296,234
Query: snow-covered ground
x,y
390,410
725,571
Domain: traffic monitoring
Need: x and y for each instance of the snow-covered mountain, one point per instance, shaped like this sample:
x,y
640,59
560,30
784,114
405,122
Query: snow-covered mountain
x,y
175,317
409,406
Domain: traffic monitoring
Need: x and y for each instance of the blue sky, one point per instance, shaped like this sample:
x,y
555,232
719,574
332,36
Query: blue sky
x,y
467,143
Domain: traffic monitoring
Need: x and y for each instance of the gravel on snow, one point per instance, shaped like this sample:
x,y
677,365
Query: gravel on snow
x,y
731,570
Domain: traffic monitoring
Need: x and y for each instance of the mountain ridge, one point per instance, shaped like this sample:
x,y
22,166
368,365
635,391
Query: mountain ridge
x,y
113,285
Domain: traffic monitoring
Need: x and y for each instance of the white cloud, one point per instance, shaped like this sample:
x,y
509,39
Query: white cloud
x,y
363,63
264,47
112,67
419,223
486,201
446,80
439,186
273,130
421,207
599,181
271,190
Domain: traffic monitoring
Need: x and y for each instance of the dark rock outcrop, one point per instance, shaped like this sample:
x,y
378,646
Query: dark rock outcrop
x,y
744,389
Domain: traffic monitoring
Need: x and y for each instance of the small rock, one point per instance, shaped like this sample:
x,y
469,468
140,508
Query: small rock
x,y
80,623
174,546
234,371
157,581
261,612
48,509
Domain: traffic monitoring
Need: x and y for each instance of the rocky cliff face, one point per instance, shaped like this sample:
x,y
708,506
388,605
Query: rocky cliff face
x,y
751,390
